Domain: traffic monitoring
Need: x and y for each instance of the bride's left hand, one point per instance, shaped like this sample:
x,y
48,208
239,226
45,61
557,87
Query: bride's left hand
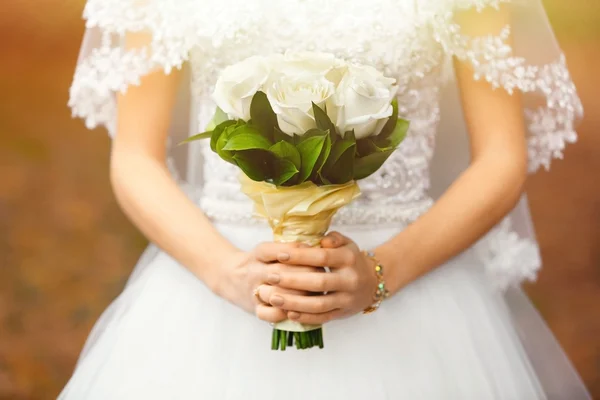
x,y
350,286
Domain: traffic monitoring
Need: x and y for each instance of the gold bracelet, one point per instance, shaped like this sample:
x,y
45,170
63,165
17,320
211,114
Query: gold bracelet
x,y
381,293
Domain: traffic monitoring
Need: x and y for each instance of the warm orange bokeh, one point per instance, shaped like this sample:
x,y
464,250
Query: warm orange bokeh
x,y
66,249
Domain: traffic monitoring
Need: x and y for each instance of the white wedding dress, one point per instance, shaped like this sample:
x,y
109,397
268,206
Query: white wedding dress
x,y
464,331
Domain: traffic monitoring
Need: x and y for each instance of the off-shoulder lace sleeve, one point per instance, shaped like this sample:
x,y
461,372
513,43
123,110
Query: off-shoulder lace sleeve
x,y
510,44
106,66
170,29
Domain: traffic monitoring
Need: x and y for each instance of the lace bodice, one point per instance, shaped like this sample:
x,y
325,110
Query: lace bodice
x,y
410,40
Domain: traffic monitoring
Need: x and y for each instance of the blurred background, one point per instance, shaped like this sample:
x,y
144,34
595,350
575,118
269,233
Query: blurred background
x,y
66,249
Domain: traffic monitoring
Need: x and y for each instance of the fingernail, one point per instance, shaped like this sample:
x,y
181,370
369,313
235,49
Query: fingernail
x,y
276,301
273,279
283,256
293,315
304,245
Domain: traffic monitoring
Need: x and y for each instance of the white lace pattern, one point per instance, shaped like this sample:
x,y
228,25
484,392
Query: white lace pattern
x,y
407,39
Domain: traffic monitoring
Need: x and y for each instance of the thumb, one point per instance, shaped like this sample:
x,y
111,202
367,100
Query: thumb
x,y
334,240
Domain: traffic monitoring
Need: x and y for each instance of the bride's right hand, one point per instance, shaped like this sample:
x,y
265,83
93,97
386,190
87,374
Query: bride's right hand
x,y
242,273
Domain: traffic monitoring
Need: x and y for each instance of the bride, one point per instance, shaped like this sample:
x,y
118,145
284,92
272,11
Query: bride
x,y
451,230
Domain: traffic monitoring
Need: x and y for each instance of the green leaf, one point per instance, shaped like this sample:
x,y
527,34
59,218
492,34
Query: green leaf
x,y
322,119
339,167
322,158
325,180
311,133
247,138
279,135
363,147
399,133
365,166
367,146
371,145
262,115
284,171
256,164
200,136
394,131
228,132
310,150
286,151
391,124
296,139
350,136
219,117
218,132
339,149
224,154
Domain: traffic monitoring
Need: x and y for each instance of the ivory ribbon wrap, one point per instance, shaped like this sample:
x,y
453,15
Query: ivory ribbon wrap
x,y
300,213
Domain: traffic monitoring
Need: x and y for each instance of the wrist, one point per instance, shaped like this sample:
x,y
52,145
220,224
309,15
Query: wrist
x,y
379,284
395,267
216,271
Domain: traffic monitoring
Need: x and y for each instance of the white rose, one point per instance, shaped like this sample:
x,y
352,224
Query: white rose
x,y
364,101
291,98
238,84
295,63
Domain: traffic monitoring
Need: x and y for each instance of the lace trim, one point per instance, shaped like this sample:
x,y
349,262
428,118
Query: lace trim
x,y
552,125
182,22
368,217
509,259
109,69
92,96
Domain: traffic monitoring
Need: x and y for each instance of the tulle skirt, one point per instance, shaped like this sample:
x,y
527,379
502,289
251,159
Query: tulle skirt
x,y
448,335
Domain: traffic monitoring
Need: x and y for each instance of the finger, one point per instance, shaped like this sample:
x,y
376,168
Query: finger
x,y
270,251
307,304
283,268
265,292
271,273
314,282
270,314
314,319
334,239
320,257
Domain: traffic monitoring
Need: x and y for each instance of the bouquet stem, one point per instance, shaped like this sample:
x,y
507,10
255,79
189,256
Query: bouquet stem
x,y
290,333
302,340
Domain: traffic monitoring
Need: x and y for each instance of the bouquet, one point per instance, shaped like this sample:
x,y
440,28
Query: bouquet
x,y
303,128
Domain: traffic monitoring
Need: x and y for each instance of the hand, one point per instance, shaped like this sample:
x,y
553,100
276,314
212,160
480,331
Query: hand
x,y
350,286
245,272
